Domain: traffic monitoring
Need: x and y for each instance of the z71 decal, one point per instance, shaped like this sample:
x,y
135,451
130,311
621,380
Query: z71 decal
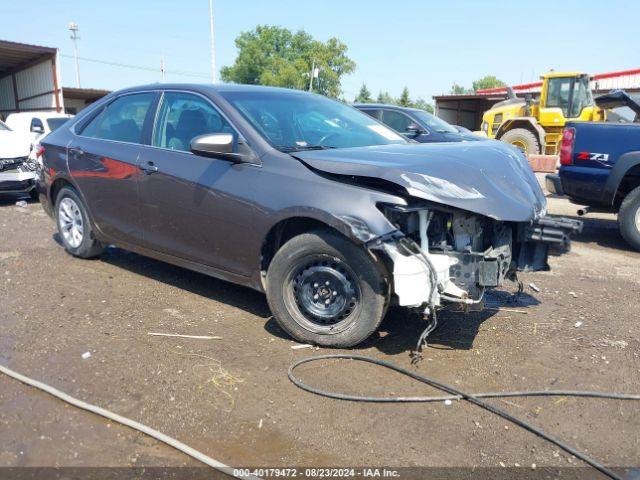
x,y
598,157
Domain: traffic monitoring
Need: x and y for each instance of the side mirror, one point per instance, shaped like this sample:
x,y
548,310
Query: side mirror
x,y
215,145
413,130
39,129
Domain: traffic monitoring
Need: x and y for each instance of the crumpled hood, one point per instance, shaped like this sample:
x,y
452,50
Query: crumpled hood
x,y
13,145
489,178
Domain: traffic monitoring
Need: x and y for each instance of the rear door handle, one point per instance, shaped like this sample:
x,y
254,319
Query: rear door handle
x,y
148,168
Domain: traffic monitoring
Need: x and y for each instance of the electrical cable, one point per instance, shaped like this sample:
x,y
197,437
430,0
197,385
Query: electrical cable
x,y
166,439
455,394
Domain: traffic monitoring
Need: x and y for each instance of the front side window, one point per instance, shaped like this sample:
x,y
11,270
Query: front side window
x,y
396,120
184,116
298,121
121,120
434,123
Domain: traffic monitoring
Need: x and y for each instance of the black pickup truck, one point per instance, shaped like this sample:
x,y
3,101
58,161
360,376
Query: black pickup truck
x,y
600,166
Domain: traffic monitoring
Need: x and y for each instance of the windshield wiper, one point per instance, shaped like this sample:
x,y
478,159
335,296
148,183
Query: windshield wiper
x,y
291,148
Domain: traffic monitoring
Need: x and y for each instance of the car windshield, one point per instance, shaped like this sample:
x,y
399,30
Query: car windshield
x,y
434,123
3,126
299,121
55,123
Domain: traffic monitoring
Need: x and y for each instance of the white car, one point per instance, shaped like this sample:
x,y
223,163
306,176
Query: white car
x,y
17,170
36,125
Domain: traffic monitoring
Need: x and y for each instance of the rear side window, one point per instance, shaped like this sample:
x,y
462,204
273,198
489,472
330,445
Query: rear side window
x,y
121,120
36,123
184,116
372,113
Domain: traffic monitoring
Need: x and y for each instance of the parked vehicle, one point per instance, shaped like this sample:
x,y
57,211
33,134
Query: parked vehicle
x,y
416,124
17,171
328,211
600,167
536,126
36,124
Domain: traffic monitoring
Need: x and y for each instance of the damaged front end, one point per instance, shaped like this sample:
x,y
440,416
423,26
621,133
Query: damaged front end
x,y
442,255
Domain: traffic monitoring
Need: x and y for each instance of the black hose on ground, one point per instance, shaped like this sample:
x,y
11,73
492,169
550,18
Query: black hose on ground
x,y
455,394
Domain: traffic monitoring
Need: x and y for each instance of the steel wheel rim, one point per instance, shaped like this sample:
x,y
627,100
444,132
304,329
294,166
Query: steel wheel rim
x,y
520,144
324,294
70,222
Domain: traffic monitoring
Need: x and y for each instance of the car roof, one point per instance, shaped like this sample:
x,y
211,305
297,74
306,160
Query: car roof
x,y
218,87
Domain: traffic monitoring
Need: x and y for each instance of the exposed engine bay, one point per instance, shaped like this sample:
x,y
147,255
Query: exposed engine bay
x,y
446,255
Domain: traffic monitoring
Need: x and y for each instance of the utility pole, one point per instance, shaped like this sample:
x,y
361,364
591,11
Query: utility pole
x,y
73,27
315,71
162,67
213,44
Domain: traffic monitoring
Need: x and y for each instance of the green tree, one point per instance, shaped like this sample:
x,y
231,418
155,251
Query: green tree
x,y
458,90
276,56
488,81
364,96
422,105
384,97
405,99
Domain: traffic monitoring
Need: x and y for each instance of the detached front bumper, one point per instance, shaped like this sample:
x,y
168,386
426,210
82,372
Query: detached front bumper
x,y
17,182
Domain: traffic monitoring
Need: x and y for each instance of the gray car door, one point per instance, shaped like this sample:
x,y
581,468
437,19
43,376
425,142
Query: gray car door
x,y
194,207
103,161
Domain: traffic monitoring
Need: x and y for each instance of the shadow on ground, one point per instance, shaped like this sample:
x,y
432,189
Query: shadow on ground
x,y
244,298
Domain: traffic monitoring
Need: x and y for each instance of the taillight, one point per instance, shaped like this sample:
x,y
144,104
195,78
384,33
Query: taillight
x,y
39,150
566,147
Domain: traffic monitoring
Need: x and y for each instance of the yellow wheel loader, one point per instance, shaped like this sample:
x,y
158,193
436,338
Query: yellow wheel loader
x,y
536,126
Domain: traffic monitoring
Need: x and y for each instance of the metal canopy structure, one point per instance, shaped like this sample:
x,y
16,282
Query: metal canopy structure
x,y
28,78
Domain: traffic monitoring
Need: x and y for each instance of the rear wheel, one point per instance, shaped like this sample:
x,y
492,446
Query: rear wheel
x,y
74,226
325,290
522,138
629,218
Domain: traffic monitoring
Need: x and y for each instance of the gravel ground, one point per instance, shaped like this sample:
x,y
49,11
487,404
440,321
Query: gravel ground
x,y
231,398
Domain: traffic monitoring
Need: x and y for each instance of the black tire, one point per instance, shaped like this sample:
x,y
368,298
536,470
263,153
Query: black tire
x,y
33,193
357,283
629,218
87,246
523,139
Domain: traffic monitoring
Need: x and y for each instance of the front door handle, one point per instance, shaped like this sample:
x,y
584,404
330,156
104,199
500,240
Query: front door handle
x,y
148,168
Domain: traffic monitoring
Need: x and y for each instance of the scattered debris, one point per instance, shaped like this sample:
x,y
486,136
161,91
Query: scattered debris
x,y
260,424
300,347
533,287
199,337
578,324
86,355
512,310
607,342
448,402
573,294
21,204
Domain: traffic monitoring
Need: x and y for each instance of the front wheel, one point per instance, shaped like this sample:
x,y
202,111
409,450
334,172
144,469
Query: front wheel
x,y
629,218
74,226
325,290
522,138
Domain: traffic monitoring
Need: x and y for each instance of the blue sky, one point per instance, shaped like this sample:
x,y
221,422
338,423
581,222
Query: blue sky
x,y
424,45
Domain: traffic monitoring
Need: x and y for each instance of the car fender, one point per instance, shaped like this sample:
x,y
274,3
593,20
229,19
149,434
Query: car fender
x,y
624,163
